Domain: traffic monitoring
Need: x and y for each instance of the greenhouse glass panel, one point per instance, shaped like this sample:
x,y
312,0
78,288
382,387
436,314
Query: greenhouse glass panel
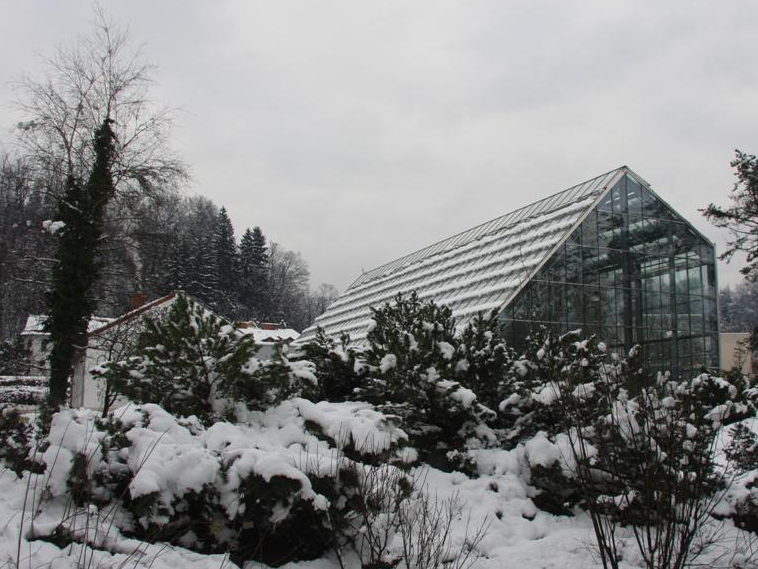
x,y
622,291
607,256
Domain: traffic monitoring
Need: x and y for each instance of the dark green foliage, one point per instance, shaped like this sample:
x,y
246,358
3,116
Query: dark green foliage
x,y
411,361
742,453
531,403
485,361
202,276
557,493
335,363
272,381
637,450
227,263
187,363
305,533
16,442
14,357
253,286
70,303
741,217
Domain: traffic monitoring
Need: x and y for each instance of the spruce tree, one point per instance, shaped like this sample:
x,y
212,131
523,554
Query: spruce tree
x,y
245,291
188,361
253,287
261,272
227,262
70,304
202,281
177,265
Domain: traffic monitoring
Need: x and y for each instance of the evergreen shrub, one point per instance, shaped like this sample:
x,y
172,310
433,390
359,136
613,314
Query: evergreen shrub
x,y
192,362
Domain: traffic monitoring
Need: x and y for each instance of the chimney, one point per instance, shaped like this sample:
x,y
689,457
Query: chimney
x,y
137,300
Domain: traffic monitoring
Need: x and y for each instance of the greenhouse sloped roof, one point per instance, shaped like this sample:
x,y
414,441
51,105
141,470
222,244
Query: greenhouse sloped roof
x,y
475,271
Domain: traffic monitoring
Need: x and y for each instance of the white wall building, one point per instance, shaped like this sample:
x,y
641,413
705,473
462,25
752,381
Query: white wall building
x,y
37,341
111,341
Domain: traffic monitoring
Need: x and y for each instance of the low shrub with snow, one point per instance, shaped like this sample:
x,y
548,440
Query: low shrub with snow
x,y
22,390
194,363
276,488
632,448
16,441
411,367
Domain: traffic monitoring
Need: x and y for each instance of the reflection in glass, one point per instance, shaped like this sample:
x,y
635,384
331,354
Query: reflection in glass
x,y
632,272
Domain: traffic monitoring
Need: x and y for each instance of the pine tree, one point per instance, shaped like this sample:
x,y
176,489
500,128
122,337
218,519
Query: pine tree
x,y
202,282
187,362
726,309
253,287
412,360
70,302
741,216
227,262
177,266
245,290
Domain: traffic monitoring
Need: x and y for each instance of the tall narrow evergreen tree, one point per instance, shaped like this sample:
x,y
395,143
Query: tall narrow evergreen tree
x,y
177,265
254,267
70,304
202,281
227,262
245,290
261,273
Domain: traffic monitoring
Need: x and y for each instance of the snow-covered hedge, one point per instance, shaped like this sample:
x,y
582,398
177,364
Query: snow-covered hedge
x,y
22,390
272,488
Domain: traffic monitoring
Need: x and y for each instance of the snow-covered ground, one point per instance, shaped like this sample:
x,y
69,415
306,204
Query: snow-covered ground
x,y
175,456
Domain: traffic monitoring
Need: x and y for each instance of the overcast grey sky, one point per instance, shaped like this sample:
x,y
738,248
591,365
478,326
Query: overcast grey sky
x,y
356,132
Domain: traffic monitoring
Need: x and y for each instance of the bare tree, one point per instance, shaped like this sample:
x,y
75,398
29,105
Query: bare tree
x,y
95,84
98,76
324,295
101,76
288,285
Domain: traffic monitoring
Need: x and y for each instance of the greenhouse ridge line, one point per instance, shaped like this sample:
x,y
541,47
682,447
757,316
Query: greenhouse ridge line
x,y
424,252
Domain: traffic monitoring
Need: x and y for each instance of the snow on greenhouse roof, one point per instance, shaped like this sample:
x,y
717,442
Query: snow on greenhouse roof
x,y
475,271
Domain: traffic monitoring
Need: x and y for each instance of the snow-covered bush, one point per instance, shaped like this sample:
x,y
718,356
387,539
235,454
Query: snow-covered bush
x,y
273,380
532,410
274,489
411,365
335,367
483,362
741,452
16,441
192,362
22,390
633,448
400,523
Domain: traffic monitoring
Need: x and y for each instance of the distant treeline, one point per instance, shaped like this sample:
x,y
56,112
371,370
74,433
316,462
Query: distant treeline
x,y
156,241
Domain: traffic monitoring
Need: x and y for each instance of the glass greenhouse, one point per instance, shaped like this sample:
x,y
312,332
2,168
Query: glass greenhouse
x,y
607,256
